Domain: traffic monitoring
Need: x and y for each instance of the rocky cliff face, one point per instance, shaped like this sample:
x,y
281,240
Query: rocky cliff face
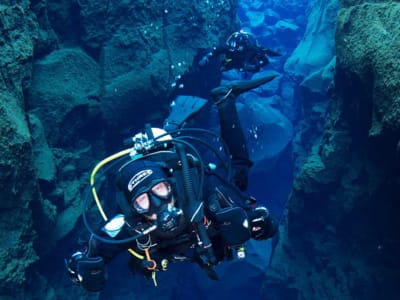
x,y
339,238
70,71
22,33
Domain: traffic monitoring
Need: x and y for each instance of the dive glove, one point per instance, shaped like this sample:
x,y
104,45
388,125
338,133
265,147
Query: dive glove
x,y
86,271
262,224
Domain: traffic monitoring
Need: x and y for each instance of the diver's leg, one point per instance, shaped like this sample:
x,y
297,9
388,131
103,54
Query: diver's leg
x,y
232,134
233,89
231,130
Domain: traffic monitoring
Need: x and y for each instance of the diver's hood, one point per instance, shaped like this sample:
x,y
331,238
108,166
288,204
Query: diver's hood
x,y
139,176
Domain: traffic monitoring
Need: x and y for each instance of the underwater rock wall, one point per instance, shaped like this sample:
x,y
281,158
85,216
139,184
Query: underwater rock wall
x,y
23,30
339,238
142,48
310,75
70,72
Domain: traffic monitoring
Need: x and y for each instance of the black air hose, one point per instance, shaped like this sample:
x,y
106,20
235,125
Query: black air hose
x,y
189,189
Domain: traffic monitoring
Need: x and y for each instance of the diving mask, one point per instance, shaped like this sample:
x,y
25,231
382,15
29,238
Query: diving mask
x,y
156,204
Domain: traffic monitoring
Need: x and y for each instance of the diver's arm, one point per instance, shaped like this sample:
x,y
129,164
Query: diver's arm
x,y
105,250
212,53
220,50
86,266
86,271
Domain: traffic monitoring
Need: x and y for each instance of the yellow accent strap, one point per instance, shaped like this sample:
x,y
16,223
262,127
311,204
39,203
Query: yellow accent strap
x,y
135,254
95,170
153,276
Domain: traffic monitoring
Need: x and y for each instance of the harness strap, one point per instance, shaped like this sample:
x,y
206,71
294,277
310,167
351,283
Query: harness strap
x,y
150,260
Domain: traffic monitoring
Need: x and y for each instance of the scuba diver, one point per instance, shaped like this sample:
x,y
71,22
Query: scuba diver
x,y
181,198
241,51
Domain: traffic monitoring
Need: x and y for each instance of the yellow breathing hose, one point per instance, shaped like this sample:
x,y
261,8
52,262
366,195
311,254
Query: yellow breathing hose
x,y
96,169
